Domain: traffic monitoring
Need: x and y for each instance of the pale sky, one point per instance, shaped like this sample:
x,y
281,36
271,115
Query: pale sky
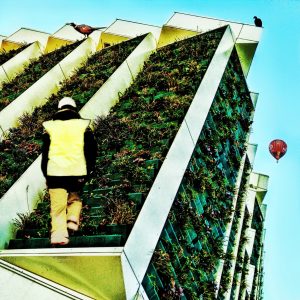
x,y
274,74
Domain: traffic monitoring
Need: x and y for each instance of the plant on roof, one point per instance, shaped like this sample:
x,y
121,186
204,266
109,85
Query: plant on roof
x,y
14,158
142,135
33,71
7,55
206,174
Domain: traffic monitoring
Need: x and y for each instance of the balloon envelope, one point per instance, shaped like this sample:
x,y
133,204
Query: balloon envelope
x,y
277,148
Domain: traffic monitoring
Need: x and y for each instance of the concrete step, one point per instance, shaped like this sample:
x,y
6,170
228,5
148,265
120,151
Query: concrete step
x,y
113,240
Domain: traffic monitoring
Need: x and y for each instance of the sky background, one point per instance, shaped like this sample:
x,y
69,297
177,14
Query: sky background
x,y
274,74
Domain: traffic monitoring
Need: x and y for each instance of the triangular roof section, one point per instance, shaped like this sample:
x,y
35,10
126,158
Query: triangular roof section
x,y
27,36
132,29
246,36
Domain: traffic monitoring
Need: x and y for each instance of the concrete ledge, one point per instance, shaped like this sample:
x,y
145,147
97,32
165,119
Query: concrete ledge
x,y
246,36
41,90
16,64
31,285
27,36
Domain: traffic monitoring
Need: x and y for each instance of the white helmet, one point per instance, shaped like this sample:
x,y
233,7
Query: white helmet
x,y
66,101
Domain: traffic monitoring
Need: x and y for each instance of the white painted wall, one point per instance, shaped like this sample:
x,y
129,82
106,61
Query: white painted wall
x,y
251,237
67,32
27,36
132,29
203,24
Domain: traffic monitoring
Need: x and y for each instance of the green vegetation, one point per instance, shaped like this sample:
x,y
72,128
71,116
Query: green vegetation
x,y
133,141
194,232
7,55
22,144
34,71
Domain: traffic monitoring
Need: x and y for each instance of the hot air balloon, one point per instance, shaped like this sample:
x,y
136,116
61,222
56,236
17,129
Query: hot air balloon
x,y
277,148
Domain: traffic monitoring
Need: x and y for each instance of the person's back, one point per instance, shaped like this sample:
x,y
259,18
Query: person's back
x,y
68,156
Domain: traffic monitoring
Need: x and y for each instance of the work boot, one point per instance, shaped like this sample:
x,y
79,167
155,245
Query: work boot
x,y
72,223
58,238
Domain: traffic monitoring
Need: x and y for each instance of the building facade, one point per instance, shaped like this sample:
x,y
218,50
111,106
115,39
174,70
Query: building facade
x,y
174,209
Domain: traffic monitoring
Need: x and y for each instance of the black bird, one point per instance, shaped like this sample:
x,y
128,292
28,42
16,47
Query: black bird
x,y
84,29
257,21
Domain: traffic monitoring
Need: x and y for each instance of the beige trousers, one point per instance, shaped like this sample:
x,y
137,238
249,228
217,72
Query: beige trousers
x,y
64,207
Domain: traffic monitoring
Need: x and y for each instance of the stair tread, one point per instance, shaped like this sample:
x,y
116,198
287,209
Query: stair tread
x,y
75,241
99,230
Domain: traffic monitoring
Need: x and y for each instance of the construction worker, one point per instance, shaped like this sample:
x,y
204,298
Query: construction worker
x,y
68,157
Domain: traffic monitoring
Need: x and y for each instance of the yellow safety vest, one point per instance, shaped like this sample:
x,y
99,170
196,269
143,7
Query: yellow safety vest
x,y
66,152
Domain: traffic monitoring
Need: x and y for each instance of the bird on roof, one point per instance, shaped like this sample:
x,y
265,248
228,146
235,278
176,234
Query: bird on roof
x,y
257,21
84,29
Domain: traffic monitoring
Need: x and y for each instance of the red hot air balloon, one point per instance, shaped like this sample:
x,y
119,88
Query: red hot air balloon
x,y
277,148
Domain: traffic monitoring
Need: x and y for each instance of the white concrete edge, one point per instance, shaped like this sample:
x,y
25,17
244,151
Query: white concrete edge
x,y
250,200
108,95
251,148
254,97
251,152
136,29
260,269
237,188
134,22
67,33
263,208
251,237
249,278
23,195
142,295
238,285
235,252
28,35
210,18
43,281
251,206
204,23
140,246
16,64
89,251
229,226
219,276
259,181
131,282
38,93
238,181
246,58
